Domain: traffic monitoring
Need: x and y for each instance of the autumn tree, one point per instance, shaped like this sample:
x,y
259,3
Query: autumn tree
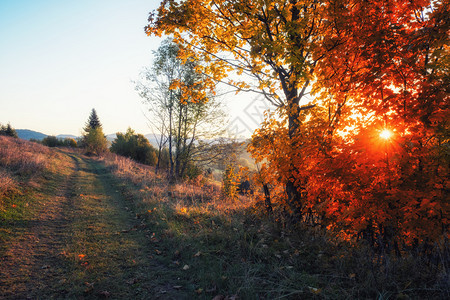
x,y
272,44
387,77
181,109
371,66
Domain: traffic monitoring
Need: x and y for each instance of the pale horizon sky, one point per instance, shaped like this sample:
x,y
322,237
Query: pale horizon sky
x,y
60,59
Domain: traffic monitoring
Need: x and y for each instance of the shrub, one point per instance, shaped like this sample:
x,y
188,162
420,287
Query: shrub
x,y
134,146
230,182
51,141
95,142
69,142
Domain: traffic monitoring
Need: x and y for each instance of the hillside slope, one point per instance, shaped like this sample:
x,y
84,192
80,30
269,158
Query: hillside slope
x,y
72,226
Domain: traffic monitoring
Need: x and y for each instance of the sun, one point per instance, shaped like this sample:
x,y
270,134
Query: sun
x,y
386,134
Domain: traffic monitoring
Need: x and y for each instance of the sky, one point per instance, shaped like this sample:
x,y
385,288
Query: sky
x,y
60,59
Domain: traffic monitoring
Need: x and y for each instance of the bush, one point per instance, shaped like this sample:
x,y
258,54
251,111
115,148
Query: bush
x,y
230,182
134,146
192,171
51,141
95,142
69,142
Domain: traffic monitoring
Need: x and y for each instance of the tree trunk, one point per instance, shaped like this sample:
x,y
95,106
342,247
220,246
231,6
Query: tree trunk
x,y
267,202
294,196
171,177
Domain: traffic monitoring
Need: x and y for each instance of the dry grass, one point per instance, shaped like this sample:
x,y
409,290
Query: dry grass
x,y
201,193
23,157
258,257
7,184
22,164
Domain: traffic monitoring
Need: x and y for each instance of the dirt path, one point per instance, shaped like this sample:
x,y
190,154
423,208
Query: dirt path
x,y
83,242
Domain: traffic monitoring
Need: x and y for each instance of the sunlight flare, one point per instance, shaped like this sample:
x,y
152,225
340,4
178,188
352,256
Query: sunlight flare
x,y
386,134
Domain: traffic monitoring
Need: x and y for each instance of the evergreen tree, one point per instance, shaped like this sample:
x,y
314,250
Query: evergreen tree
x,y
94,141
8,131
93,121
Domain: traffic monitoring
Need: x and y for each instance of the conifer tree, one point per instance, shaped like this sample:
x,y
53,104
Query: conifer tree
x,y
94,140
8,131
93,121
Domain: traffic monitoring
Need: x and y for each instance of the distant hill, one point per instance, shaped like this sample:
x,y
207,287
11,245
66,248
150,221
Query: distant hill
x,y
151,138
27,134
67,136
111,137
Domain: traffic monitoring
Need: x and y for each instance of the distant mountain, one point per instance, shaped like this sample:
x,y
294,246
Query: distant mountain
x,y
150,137
153,139
67,136
27,134
111,137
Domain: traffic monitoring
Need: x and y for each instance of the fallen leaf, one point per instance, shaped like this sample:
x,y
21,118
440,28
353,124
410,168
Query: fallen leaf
x,y
186,267
177,287
199,291
197,254
314,290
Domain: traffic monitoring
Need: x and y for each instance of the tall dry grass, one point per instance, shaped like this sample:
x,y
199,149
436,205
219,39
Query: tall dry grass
x,y
21,164
7,183
23,157
278,261
201,193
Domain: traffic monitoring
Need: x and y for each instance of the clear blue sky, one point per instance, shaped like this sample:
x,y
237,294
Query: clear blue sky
x,y
59,59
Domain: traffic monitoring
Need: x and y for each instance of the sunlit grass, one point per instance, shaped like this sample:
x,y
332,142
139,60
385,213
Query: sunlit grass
x,y
231,247
126,218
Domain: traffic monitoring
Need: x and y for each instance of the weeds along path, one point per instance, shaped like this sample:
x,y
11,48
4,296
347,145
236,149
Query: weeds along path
x,y
83,242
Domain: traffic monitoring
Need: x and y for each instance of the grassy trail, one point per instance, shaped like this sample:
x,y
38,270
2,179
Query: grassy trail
x,y
83,241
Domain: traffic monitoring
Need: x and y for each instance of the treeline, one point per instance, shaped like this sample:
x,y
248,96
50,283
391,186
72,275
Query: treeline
x,y
7,130
53,141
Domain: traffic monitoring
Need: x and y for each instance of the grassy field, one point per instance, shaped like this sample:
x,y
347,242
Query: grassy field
x,y
85,228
